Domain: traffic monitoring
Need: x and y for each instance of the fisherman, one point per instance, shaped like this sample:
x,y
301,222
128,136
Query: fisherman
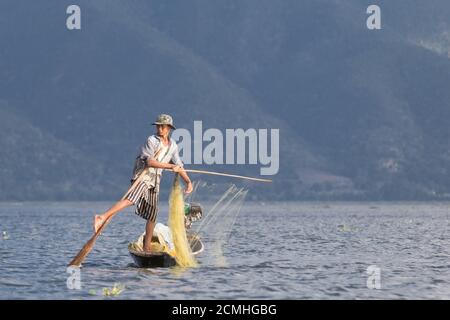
x,y
158,153
192,213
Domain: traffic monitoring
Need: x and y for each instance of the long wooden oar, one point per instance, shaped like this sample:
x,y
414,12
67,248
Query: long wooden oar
x,y
78,260
228,175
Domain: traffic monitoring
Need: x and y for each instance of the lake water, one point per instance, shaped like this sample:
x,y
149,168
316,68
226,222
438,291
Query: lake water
x,y
279,250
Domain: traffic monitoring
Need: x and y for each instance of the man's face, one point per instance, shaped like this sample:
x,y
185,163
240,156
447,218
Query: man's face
x,y
162,129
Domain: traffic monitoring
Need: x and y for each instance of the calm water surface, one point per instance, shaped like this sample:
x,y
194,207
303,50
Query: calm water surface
x,y
279,250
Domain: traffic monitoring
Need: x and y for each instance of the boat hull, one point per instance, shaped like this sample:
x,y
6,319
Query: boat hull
x,y
163,259
154,260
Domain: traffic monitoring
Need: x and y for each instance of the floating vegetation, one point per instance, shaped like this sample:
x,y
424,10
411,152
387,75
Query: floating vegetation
x,y
114,291
92,292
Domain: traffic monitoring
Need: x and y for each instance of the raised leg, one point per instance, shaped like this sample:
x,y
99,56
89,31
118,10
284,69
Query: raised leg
x,y
118,206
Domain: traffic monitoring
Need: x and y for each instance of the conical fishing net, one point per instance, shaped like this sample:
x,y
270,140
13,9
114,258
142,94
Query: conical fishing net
x,y
183,252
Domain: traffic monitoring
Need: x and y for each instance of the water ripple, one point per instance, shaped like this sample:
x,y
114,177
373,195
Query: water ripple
x,y
276,251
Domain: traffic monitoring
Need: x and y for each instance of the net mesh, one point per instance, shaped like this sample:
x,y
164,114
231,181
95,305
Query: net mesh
x,y
183,252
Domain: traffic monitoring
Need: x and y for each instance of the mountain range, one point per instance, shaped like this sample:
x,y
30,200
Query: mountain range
x,y
363,114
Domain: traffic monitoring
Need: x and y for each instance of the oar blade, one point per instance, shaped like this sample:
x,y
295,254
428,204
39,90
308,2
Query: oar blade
x,y
79,258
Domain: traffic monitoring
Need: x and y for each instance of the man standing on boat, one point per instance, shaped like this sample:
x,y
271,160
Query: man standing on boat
x,y
158,153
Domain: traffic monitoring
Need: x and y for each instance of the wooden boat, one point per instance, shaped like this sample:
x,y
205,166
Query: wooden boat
x,y
162,259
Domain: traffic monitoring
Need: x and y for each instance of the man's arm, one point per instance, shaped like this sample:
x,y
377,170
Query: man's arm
x,y
176,168
185,176
179,168
160,165
151,154
186,179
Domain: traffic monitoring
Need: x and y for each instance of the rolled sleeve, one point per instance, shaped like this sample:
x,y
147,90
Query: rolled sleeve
x,y
148,149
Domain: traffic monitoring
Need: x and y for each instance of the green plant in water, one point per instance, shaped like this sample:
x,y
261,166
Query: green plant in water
x,y
114,291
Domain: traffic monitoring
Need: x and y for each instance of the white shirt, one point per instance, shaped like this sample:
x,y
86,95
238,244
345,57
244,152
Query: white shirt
x,y
167,154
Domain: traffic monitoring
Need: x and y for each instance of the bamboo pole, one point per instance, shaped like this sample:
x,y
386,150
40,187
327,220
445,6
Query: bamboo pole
x,y
227,175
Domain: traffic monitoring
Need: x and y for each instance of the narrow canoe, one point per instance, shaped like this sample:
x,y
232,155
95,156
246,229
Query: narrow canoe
x,y
163,259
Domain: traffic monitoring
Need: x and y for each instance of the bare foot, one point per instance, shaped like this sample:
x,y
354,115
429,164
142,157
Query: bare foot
x,y
98,222
147,250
